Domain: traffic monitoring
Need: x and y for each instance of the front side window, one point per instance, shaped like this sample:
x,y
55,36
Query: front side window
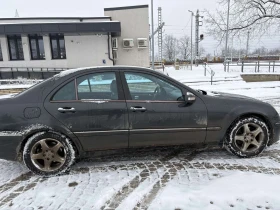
x,y
98,86
1,55
36,47
58,46
66,93
15,47
148,87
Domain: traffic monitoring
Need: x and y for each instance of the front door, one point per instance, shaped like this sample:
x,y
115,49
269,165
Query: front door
x,y
158,114
92,107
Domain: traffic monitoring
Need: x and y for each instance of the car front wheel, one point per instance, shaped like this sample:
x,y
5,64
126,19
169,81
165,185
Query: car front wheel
x,y
247,137
48,153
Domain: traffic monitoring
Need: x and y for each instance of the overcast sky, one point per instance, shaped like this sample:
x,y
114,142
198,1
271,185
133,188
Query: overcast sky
x,y
175,14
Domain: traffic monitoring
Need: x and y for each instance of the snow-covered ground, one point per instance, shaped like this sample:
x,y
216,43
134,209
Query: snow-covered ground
x,y
181,178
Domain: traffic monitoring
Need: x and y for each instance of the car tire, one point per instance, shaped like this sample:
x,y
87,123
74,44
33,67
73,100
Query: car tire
x,y
247,137
48,153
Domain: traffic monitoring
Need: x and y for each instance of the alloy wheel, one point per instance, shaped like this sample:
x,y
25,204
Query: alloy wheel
x,y
48,155
249,137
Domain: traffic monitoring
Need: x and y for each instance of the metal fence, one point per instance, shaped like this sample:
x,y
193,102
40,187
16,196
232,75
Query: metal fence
x,y
28,73
257,66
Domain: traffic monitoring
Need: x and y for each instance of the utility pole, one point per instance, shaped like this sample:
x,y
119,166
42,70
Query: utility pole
x,y
153,39
247,47
231,47
191,38
160,34
197,38
16,14
226,47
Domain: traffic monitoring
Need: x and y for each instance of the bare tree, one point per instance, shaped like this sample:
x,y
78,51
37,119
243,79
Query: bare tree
x,y
184,47
201,51
258,16
260,51
169,47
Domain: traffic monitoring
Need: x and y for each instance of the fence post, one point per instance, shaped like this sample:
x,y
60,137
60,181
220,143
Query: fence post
x,y
242,66
205,69
258,66
28,73
211,76
12,73
269,66
273,65
228,67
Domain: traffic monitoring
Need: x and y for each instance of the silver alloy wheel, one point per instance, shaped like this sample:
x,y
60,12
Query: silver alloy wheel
x,y
249,137
48,155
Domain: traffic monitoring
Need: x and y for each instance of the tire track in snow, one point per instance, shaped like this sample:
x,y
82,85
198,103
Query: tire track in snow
x,y
173,168
117,199
14,182
19,191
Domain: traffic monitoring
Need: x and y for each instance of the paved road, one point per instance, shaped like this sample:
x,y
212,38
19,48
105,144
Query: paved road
x,y
125,181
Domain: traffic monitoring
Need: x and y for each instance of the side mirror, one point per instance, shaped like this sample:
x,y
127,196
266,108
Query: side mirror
x,y
189,98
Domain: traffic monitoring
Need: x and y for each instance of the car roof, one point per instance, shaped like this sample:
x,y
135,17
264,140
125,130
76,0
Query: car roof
x,y
72,71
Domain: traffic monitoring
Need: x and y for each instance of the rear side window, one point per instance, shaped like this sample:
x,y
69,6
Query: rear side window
x,y
98,86
66,93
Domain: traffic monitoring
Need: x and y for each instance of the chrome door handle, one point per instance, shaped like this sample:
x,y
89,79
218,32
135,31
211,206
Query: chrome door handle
x,y
64,110
142,109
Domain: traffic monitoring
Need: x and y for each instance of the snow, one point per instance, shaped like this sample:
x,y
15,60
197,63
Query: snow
x,y
95,101
236,190
7,96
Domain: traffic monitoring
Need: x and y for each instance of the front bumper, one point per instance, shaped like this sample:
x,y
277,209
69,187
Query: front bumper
x,y
8,145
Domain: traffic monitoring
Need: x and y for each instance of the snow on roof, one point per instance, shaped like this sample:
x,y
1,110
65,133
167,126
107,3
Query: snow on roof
x,y
71,71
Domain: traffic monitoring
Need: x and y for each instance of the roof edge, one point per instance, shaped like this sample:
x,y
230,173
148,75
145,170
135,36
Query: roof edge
x,y
51,18
126,8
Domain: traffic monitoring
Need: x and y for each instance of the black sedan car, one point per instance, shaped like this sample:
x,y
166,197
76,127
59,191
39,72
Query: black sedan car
x,y
80,111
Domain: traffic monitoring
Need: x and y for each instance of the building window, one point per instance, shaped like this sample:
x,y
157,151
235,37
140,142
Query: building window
x,y
58,46
36,47
1,55
15,47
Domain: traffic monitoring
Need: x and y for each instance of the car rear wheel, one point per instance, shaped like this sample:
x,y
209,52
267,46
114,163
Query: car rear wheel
x,y
247,137
48,153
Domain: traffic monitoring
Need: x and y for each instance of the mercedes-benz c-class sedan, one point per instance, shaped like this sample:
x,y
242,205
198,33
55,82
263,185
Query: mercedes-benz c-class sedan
x,y
78,112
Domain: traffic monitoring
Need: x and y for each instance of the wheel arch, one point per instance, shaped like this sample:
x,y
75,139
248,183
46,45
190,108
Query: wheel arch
x,y
31,133
244,115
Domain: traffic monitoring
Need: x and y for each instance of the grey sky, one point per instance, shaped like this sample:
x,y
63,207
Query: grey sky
x,y
175,14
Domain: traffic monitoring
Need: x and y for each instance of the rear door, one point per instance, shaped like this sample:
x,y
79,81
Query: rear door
x,y
92,106
158,114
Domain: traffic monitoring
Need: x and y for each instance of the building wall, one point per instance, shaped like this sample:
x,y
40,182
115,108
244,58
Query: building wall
x,y
81,51
134,24
87,50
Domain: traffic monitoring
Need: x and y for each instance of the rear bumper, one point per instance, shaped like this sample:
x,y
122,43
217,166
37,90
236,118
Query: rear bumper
x,y
276,133
8,145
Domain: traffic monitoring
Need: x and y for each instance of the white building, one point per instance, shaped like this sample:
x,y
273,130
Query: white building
x,y
121,37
